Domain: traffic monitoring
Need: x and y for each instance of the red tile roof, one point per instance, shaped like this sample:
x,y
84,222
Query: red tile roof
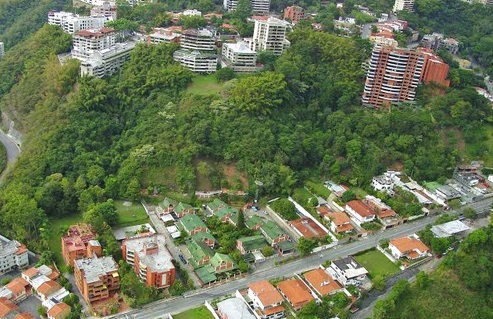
x,y
360,208
408,244
6,306
58,309
322,282
308,228
296,292
266,292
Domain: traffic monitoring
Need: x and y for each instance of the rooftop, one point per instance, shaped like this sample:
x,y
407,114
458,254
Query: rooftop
x,y
295,291
360,208
253,242
271,230
235,308
191,221
350,267
9,247
157,262
216,204
322,282
339,218
408,244
266,292
308,228
449,229
198,32
95,268
58,309
48,288
239,47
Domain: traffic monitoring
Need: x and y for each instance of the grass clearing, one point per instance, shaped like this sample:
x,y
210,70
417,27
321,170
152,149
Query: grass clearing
x,y
377,264
205,84
59,226
318,188
196,313
131,215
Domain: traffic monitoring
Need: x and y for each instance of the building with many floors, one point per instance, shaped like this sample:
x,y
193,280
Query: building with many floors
x,y
239,57
198,40
394,74
269,35
96,278
72,23
85,42
80,242
105,9
108,61
150,259
2,50
258,6
400,5
293,14
196,61
12,255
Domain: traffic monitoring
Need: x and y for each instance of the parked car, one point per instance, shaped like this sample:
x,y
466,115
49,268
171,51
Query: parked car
x,y
183,260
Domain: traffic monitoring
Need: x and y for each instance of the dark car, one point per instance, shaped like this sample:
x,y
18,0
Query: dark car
x,y
183,260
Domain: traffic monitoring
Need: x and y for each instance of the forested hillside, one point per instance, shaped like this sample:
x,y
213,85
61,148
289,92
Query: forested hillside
x,y
20,18
460,288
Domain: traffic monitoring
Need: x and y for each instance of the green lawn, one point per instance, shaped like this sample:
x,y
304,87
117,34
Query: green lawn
x,y
301,195
196,313
377,264
58,227
131,215
205,84
318,189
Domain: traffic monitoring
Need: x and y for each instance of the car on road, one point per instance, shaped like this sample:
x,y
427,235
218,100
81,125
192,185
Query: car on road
x,y
183,260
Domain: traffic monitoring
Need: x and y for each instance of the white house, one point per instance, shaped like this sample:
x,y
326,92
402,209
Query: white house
x,y
266,300
12,255
347,271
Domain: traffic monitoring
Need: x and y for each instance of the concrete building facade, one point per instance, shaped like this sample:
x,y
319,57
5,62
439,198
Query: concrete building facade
x,y
239,57
72,23
96,277
12,255
269,35
80,243
150,259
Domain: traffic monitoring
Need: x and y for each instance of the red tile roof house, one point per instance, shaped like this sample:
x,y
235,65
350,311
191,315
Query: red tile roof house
x,y
360,212
266,300
340,223
295,292
322,282
16,290
408,247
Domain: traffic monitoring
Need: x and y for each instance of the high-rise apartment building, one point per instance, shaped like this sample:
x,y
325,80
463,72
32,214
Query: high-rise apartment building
x,y
150,259
85,42
258,6
105,9
400,5
269,35
79,243
394,74
239,57
96,277
198,39
293,14
2,50
12,255
72,23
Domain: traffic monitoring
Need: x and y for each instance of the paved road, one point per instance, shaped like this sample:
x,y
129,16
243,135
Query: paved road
x,y
160,308
12,148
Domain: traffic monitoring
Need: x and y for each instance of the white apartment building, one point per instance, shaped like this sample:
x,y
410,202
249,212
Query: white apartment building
x,y
191,13
12,255
2,50
72,23
269,35
198,39
163,35
196,61
258,6
85,42
106,9
107,61
400,5
239,57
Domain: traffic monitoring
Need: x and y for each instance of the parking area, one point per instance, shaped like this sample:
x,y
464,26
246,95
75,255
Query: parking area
x,y
30,305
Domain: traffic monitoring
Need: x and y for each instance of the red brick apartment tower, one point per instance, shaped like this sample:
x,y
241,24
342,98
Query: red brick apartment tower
x,y
394,74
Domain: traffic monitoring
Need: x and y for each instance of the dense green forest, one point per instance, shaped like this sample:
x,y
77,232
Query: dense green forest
x,y
20,18
459,288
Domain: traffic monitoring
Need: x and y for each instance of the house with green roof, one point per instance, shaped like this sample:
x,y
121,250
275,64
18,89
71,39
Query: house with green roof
x,y
200,252
215,205
183,209
167,206
192,224
250,244
254,222
222,263
273,233
206,238
228,215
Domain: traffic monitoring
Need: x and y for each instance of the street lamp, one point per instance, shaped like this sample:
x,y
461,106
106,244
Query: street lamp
x,y
259,184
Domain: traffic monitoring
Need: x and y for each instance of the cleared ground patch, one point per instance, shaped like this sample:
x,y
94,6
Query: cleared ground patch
x,y
196,313
377,264
130,213
205,84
